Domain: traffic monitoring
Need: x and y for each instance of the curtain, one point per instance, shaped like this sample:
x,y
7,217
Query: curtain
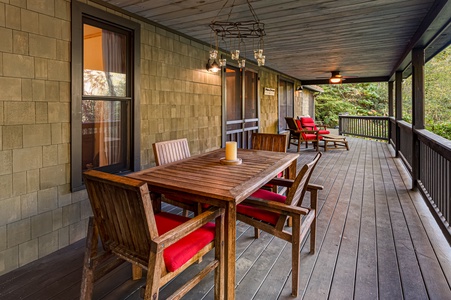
x,y
113,53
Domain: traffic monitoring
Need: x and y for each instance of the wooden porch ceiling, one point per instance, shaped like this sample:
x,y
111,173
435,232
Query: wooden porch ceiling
x,y
366,39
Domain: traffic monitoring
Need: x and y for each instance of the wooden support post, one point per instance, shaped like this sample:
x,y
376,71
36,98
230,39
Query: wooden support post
x,y
390,111
398,111
417,110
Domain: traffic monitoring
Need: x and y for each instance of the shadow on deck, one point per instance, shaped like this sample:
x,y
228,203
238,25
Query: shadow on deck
x,y
376,239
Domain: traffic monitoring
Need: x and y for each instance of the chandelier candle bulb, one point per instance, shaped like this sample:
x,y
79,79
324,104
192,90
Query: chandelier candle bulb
x,y
231,151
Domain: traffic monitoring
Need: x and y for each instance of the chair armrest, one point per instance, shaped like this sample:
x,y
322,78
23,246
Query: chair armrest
x,y
312,187
176,234
275,206
322,126
281,182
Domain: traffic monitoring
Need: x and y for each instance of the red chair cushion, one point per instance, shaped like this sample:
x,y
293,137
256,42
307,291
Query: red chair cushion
x,y
306,120
310,136
322,131
258,213
182,251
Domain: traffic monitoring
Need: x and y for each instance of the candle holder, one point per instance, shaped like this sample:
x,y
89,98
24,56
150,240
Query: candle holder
x,y
230,154
237,161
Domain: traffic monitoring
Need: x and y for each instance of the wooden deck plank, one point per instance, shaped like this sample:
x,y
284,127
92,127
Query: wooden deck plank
x,y
344,275
327,257
375,239
388,270
435,286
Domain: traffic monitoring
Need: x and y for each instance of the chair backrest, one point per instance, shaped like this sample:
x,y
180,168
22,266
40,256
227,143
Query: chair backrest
x,y
309,123
297,191
170,151
292,125
123,214
270,142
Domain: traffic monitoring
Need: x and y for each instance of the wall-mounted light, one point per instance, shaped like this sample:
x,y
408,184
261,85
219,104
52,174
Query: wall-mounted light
x,y
299,88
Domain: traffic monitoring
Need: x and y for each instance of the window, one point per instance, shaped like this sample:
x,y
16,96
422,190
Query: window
x,y
286,103
105,133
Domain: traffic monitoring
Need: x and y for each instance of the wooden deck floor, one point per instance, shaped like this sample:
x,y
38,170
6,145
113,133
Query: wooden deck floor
x,y
376,239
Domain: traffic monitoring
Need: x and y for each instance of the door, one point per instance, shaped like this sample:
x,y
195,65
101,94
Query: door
x,y
240,105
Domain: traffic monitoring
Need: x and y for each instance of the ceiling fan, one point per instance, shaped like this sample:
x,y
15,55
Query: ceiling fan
x,y
337,78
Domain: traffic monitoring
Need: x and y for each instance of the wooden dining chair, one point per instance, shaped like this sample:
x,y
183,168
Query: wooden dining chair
x,y
270,142
167,152
269,211
163,244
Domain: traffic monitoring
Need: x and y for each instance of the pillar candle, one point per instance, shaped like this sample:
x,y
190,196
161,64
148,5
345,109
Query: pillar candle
x,y
231,151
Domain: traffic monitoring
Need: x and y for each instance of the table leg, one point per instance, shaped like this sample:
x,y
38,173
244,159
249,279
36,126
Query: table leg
x,y
230,250
291,170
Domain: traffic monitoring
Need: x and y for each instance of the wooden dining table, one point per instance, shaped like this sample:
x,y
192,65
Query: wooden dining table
x,y
203,178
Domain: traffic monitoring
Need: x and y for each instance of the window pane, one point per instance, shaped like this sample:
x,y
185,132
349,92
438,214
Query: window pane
x,y
102,135
104,62
233,86
251,95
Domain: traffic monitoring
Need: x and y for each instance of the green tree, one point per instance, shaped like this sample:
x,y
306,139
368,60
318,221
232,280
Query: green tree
x,y
370,99
363,99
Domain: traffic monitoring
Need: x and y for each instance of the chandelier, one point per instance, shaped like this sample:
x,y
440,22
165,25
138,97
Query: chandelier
x,y
237,32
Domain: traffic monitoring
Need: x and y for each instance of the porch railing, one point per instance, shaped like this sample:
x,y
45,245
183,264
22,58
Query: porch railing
x,y
364,126
429,152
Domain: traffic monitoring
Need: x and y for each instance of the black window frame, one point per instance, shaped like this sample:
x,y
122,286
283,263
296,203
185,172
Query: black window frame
x,y
289,107
80,13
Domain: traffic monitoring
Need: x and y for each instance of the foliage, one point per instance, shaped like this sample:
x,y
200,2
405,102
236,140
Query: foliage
x,y
363,99
371,98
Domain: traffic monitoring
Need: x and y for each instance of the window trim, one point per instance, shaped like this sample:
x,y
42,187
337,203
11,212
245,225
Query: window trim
x,y
80,10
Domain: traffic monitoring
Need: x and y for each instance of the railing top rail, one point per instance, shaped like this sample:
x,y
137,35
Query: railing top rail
x,y
435,142
364,117
404,124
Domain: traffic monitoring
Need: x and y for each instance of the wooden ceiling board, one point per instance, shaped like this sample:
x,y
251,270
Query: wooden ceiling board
x,y
307,39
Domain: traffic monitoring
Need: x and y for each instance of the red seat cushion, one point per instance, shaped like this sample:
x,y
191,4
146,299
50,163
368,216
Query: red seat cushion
x,y
182,251
261,214
310,136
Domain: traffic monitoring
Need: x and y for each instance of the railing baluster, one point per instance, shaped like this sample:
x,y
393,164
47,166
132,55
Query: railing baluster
x,y
435,157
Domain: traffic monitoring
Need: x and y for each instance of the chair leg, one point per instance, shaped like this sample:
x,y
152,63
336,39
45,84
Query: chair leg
x,y
295,255
137,272
256,232
152,288
87,281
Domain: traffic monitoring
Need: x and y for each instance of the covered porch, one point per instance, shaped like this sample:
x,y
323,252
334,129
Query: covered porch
x,y
376,239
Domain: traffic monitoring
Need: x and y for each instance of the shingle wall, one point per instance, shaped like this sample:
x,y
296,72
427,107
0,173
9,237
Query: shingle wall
x,y
179,98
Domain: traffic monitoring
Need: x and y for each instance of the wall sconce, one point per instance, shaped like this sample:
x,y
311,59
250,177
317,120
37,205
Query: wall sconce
x,y
299,88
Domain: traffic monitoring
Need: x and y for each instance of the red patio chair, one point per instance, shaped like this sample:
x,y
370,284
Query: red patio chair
x,y
309,123
302,135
